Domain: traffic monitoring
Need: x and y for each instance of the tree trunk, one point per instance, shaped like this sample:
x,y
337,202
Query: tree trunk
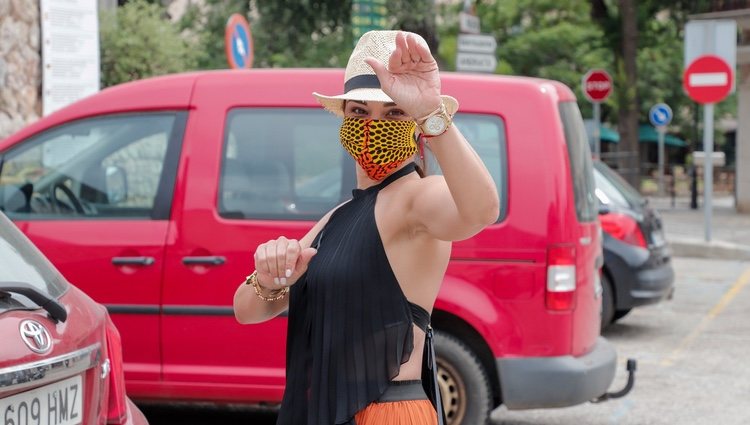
x,y
628,110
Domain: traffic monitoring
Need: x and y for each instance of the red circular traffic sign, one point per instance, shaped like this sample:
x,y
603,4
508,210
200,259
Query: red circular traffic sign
x,y
708,79
597,85
238,42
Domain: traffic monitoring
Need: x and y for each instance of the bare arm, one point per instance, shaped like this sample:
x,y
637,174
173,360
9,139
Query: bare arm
x,y
272,260
466,200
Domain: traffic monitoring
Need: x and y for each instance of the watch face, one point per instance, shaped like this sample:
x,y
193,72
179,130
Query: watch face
x,y
434,125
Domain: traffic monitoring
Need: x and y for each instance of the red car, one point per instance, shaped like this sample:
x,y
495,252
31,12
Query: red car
x,y
151,196
61,359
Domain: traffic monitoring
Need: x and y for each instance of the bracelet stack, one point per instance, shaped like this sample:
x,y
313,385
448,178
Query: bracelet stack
x,y
275,295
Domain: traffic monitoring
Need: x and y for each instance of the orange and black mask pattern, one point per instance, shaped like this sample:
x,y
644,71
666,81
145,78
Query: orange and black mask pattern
x,y
379,146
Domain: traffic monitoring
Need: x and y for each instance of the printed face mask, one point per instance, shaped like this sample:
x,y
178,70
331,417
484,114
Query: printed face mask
x,y
379,146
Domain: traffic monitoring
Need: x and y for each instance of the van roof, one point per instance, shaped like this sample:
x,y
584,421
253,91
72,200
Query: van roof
x,y
281,87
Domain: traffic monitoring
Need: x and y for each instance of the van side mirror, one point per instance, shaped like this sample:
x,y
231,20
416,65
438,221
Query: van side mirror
x,y
117,184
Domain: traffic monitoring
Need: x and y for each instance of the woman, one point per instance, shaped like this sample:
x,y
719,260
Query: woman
x,y
364,278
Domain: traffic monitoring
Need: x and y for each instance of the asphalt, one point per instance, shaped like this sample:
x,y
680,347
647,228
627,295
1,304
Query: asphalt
x,y
685,229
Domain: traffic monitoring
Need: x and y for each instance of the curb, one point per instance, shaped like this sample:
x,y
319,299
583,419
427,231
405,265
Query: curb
x,y
698,248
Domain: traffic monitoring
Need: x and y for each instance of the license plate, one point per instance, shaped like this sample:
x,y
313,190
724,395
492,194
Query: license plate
x,y
54,404
658,238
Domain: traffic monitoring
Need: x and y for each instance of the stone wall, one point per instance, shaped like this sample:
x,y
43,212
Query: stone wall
x,y
20,65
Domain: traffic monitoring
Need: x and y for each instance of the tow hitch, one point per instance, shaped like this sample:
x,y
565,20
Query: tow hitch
x,y
629,386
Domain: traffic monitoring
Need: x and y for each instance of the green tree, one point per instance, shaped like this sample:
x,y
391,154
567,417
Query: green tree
x,y
138,41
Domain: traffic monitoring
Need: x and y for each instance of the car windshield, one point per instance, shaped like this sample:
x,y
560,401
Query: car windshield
x,y
21,261
615,187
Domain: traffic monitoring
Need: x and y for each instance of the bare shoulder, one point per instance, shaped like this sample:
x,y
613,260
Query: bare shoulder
x,y
416,188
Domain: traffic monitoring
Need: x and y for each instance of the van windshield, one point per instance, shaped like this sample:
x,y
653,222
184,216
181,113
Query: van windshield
x,y
579,154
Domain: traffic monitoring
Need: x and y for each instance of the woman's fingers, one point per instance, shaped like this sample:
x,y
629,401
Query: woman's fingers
x,y
281,253
422,50
277,261
292,253
412,45
402,48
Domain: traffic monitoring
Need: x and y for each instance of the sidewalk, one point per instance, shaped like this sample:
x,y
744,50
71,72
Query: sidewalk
x,y
685,229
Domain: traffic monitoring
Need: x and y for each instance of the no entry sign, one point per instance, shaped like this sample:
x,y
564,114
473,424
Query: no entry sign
x,y
708,79
597,85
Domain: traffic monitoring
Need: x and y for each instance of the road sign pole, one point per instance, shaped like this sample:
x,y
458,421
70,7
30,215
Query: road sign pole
x,y
597,131
661,130
708,168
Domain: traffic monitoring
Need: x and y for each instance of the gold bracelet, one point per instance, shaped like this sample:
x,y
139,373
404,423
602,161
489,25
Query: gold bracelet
x,y
275,295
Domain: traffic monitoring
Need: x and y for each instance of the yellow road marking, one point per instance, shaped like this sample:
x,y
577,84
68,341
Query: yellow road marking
x,y
715,311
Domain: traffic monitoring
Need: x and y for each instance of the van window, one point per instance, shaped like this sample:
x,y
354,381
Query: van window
x,y
288,163
486,134
283,164
101,167
579,155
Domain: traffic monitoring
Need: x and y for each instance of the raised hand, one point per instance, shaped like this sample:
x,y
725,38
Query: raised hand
x,y
412,78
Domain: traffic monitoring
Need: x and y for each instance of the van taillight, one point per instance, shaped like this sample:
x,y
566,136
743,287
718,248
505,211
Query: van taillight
x,y
623,227
117,406
561,278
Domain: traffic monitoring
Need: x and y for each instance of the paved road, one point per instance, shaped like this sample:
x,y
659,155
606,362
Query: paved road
x,y
693,362
693,356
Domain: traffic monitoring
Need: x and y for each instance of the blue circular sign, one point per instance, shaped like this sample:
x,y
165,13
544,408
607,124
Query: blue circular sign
x,y
660,115
239,42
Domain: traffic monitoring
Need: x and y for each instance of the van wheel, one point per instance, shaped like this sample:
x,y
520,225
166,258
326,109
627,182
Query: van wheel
x,y
608,302
464,386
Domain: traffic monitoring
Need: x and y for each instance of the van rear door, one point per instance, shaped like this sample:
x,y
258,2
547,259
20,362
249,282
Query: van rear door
x,y
588,250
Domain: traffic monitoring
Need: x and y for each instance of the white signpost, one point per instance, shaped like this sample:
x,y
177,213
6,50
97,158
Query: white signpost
x,y
710,63
660,116
70,52
475,62
476,53
477,43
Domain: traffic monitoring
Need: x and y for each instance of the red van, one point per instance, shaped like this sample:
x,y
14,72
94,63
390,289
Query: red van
x,y
151,196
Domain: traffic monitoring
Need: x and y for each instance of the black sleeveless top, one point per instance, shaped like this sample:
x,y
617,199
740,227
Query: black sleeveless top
x,y
350,325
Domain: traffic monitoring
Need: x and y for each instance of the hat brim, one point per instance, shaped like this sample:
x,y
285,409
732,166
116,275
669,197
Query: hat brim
x,y
335,104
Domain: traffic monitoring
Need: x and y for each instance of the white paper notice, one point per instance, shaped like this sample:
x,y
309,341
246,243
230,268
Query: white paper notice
x,y
70,51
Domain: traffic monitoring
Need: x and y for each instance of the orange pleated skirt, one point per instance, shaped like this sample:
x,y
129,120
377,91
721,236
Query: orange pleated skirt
x,y
406,412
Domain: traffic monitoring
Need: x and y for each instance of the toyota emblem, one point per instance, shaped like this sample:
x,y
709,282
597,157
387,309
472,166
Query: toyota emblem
x,y
36,336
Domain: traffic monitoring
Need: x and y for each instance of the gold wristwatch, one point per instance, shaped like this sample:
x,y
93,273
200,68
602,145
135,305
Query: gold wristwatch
x,y
435,123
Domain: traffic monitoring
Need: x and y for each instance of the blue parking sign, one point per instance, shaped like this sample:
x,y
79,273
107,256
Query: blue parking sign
x,y
238,41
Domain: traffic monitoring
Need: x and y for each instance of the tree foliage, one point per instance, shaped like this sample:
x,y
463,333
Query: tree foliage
x,y
138,41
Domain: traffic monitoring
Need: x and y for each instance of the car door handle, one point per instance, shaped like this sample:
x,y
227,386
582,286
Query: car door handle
x,y
212,260
133,261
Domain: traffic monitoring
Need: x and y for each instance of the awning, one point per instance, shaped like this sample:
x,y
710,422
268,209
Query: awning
x,y
646,134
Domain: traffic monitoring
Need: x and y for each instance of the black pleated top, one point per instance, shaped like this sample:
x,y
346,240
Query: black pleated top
x,y
350,325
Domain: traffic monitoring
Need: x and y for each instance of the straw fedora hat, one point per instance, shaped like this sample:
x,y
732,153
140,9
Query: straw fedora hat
x,y
360,81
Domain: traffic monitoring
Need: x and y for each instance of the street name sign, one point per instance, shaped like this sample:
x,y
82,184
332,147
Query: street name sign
x,y
475,62
477,43
708,79
238,42
468,23
597,85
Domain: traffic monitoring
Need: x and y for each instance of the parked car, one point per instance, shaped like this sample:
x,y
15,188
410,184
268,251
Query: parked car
x,y
153,195
61,359
637,260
